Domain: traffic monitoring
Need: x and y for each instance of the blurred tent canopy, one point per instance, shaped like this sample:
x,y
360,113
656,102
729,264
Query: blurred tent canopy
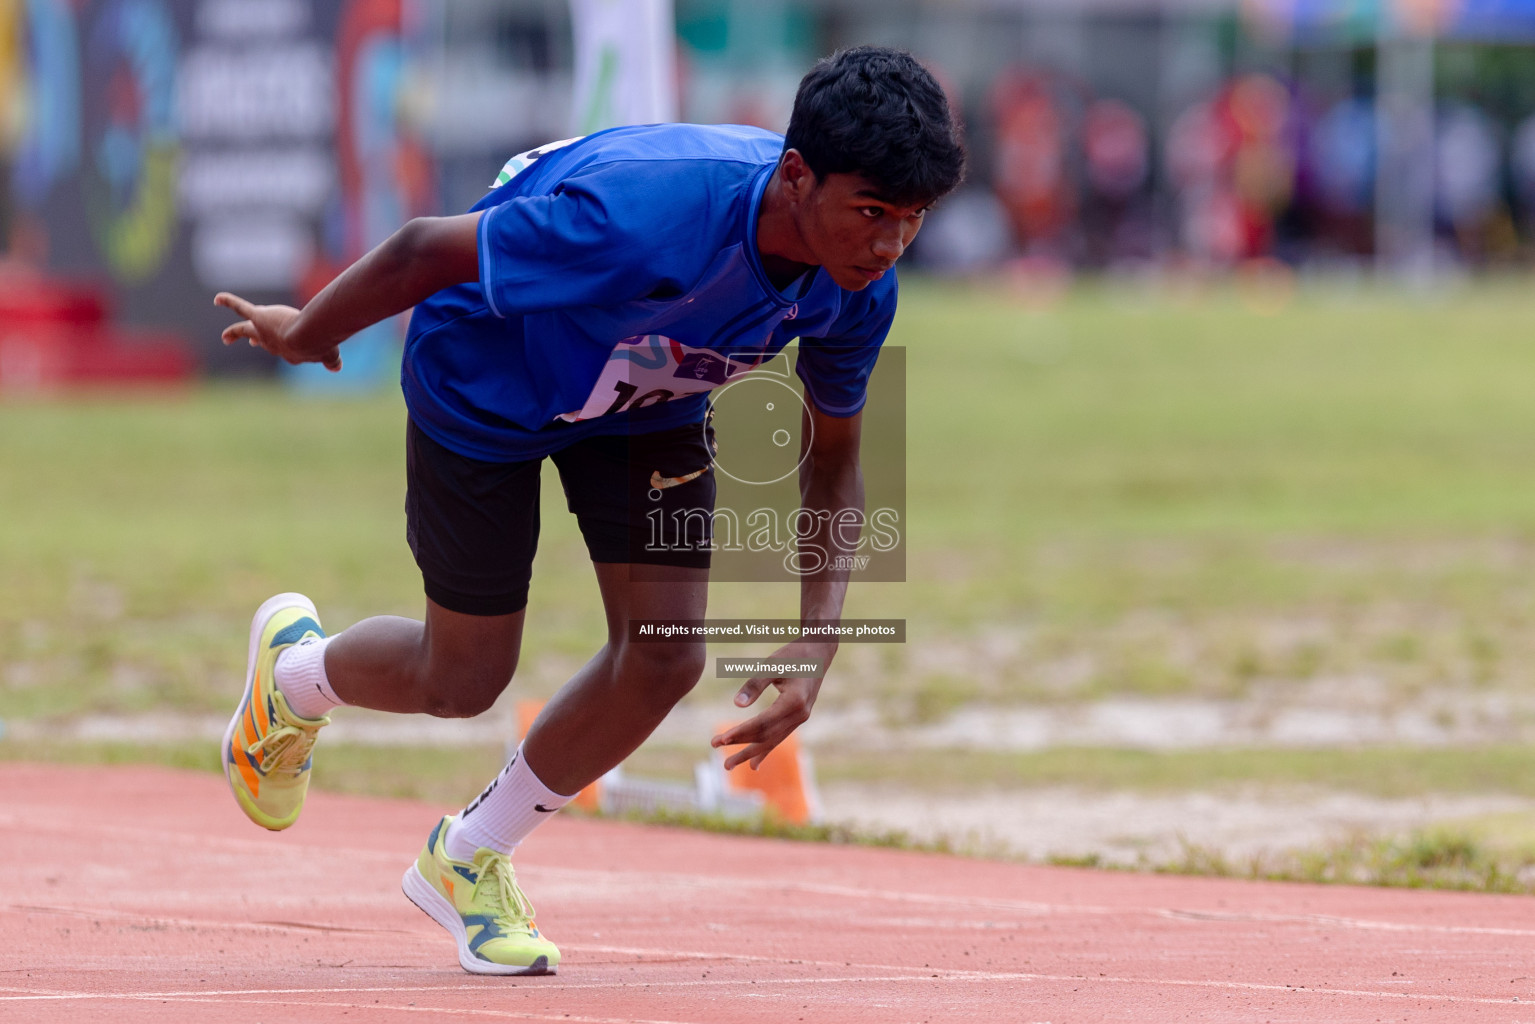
x,y
1359,20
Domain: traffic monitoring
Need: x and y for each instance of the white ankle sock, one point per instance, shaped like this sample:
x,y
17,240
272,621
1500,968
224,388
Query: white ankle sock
x,y
300,675
502,816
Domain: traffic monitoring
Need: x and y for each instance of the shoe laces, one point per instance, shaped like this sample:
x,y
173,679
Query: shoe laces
x,y
497,892
285,749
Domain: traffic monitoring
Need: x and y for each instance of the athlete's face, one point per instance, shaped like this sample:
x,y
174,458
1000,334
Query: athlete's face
x,y
854,231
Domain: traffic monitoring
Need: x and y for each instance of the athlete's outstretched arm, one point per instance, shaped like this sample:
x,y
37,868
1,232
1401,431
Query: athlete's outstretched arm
x,y
425,256
831,486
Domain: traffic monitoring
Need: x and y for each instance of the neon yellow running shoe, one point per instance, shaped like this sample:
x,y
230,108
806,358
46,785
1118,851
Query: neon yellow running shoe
x,y
267,747
481,906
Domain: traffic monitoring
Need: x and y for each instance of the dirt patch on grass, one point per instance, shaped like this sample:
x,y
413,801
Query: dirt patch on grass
x,y
1142,829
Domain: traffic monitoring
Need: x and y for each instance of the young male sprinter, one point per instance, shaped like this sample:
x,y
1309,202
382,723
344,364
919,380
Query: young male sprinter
x,y
581,311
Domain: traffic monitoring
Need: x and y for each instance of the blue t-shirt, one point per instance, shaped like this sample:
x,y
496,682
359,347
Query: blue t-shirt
x,y
619,283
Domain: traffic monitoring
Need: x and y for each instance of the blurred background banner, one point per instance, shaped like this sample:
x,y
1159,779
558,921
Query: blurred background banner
x,y
382,173
625,63
160,150
168,149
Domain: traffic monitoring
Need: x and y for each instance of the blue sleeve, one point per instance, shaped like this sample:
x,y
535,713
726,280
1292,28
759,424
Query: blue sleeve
x,y
594,241
835,368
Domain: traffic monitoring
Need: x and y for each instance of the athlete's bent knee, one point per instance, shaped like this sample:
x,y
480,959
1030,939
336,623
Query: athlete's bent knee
x,y
668,671
461,705
467,689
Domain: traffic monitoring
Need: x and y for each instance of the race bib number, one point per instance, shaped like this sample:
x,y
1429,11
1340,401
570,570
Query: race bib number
x,y
652,369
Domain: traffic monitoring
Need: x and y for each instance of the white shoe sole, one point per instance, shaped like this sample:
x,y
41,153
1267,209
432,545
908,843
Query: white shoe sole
x,y
268,608
420,892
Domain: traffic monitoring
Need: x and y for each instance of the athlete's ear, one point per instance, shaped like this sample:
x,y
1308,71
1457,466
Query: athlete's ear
x,y
798,179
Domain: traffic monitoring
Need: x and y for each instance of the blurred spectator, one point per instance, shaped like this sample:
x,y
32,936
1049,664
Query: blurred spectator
x,y
10,109
1030,171
1342,156
1467,172
1263,169
1114,139
1340,165
1521,159
1198,151
1115,217
1232,162
967,232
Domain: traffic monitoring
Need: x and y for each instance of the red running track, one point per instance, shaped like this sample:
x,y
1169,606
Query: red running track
x,y
142,894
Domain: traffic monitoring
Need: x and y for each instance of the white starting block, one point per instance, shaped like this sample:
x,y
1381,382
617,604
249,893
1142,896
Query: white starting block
x,y
784,784
619,793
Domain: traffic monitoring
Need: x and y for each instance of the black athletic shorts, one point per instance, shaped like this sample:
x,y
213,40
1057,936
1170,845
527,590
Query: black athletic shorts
x,y
473,526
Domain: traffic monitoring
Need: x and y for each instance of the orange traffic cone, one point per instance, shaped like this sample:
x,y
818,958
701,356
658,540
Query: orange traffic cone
x,y
785,779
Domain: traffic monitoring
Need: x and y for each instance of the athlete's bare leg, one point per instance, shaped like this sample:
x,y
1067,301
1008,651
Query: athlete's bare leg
x,y
456,665
452,665
618,698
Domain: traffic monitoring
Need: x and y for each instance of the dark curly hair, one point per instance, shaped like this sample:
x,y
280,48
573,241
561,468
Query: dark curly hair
x,y
878,112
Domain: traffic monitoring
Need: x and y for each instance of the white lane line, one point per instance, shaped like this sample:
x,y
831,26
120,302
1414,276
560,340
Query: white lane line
x,y
1344,922
1033,908
225,998
1042,909
267,847
194,923
1175,914
631,880
656,955
555,984
1039,909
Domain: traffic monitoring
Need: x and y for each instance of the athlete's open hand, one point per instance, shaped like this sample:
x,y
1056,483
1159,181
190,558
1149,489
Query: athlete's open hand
x,y
270,327
795,699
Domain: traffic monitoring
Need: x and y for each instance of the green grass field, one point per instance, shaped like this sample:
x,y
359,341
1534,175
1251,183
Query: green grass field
x,y
1133,491
1190,495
